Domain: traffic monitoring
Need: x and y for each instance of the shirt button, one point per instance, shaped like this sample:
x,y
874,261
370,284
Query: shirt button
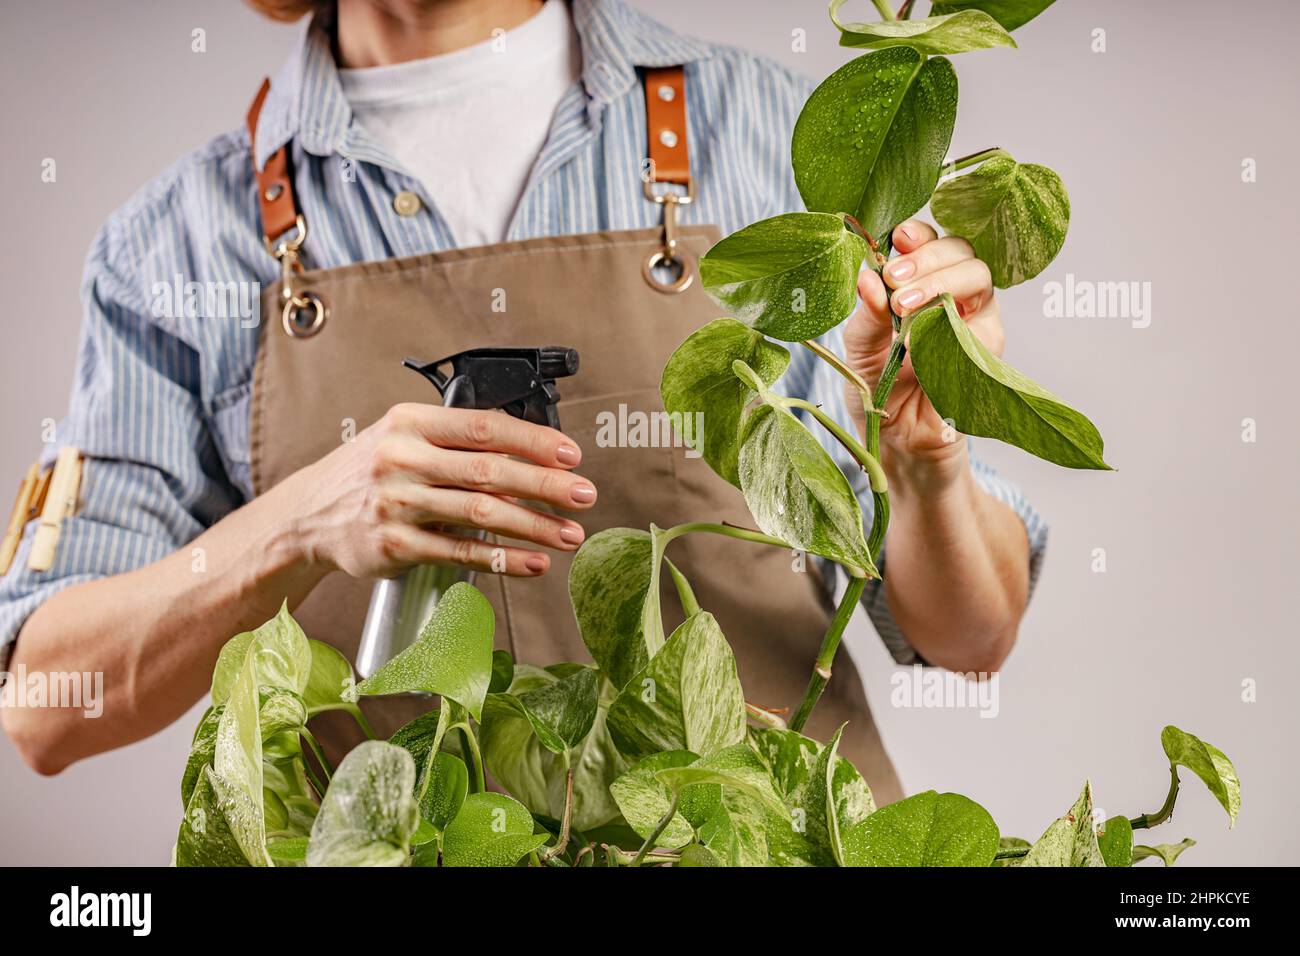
x,y
406,204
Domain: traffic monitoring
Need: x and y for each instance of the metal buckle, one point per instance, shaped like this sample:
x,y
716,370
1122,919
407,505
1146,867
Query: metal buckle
x,y
285,251
669,254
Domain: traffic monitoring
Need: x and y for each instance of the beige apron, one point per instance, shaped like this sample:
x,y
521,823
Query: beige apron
x,y
588,292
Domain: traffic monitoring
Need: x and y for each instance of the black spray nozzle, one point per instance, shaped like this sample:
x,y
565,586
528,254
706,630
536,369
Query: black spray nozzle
x,y
519,381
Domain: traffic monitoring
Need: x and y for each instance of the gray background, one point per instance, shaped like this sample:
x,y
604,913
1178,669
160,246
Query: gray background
x,y
1200,529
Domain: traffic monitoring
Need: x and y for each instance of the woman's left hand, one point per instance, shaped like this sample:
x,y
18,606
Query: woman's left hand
x,y
913,434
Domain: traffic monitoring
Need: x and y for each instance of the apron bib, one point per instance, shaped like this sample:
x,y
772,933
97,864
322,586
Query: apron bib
x,y
337,369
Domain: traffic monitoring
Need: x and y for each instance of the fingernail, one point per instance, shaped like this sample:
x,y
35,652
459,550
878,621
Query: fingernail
x,y
910,299
909,230
571,534
900,268
536,564
583,494
568,455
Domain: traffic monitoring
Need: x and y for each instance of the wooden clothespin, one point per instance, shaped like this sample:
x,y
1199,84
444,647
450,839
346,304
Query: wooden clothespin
x,y
28,504
60,503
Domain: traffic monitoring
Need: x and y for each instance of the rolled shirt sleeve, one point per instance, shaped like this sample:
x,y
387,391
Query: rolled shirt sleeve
x,y
152,478
814,380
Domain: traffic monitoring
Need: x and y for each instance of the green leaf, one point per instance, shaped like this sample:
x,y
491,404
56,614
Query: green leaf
x,y
202,750
698,855
1012,14
872,137
1015,215
490,830
447,786
688,697
281,710
453,656
206,837
792,277
503,672
735,768
946,33
614,587
1116,842
797,493
536,776
928,829
835,798
237,758
1071,840
698,381
798,767
1009,843
283,657
984,396
736,832
1168,852
368,815
426,832
560,712
285,779
230,661
1207,762
644,799
330,683
293,850
422,735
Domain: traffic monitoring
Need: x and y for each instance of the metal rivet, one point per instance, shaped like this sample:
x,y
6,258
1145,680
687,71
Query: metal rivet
x,y
667,93
273,192
406,204
668,138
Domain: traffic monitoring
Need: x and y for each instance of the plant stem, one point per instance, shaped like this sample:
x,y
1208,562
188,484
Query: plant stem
x,y
314,778
833,360
974,159
905,11
1148,820
830,644
730,530
886,12
888,375
319,754
476,757
562,841
660,827
1011,853
875,540
768,718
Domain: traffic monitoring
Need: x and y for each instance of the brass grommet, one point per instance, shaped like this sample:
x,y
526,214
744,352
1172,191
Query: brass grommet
x,y
661,258
303,315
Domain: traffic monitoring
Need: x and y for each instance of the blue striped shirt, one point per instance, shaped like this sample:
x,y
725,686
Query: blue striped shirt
x,y
160,404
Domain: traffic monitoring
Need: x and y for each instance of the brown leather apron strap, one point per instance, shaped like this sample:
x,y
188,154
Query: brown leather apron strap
x,y
665,110
274,183
670,162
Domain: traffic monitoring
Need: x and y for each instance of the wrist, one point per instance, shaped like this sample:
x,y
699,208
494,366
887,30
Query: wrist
x,y
933,474
282,547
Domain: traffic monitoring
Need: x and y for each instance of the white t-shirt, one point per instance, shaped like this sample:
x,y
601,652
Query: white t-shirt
x,y
470,124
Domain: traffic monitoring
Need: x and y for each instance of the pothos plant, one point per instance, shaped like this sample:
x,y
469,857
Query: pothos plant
x,y
651,755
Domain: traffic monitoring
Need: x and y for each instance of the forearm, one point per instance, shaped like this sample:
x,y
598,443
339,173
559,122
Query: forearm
x,y
957,567
155,633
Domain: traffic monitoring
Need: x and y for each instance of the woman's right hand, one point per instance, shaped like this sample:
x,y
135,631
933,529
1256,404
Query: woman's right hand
x,y
408,489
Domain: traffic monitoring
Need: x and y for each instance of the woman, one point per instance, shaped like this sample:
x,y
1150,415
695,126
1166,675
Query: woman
x,y
428,176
